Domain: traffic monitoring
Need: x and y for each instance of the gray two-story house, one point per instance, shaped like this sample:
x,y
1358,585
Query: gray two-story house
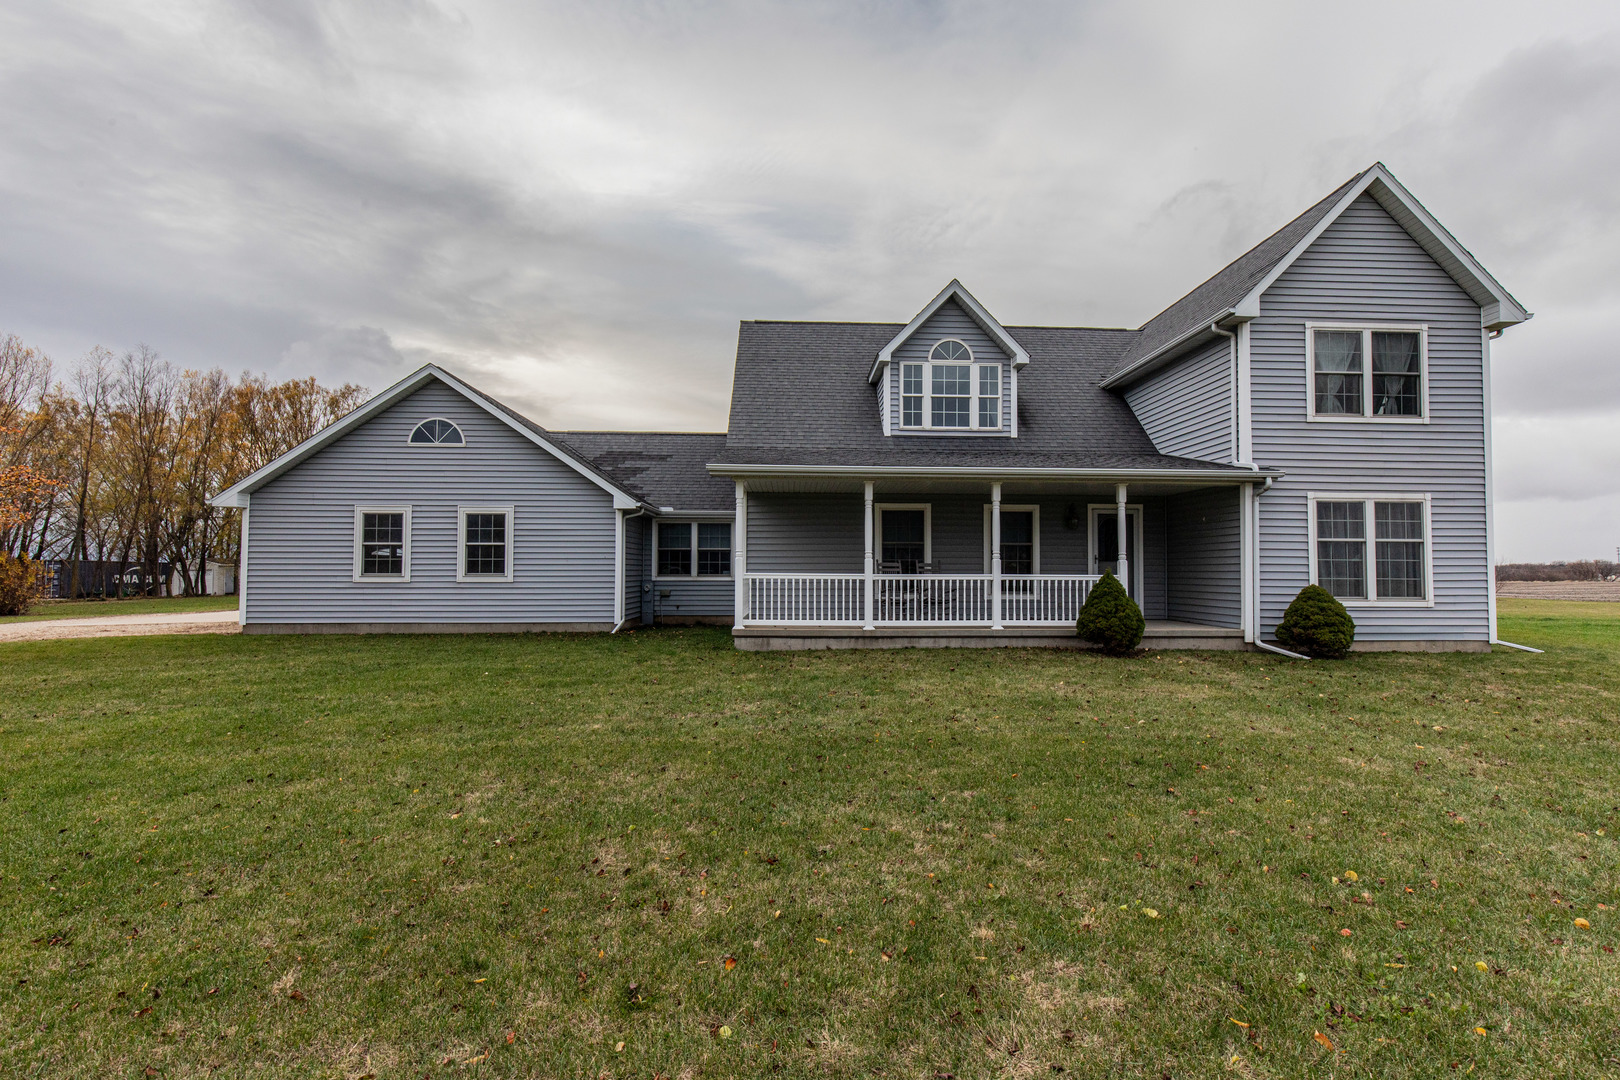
x,y
1318,411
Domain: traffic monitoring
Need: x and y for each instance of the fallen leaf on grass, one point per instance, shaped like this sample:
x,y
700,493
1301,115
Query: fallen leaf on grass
x,y
1345,932
1239,1023
1481,1031
1482,965
511,1037
1583,924
725,1032
824,941
618,1047
476,1060
731,962
296,995
1323,1039
1150,913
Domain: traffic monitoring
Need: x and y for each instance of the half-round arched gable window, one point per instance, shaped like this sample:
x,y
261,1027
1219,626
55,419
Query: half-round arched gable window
x,y
951,351
438,432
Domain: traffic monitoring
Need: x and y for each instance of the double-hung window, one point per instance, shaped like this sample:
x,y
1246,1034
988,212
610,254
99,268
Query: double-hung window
x,y
950,392
1368,372
1372,549
693,549
484,543
382,543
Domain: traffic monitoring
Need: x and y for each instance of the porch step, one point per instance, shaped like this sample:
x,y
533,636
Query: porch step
x,y
1158,635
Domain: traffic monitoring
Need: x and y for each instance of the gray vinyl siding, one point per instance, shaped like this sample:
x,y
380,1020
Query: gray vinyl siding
x,y
300,559
950,321
635,559
1365,267
689,597
815,533
1186,409
1204,540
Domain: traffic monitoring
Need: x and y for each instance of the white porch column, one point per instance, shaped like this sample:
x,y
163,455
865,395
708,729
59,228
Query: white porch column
x,y
995,555
739,557
1124,565
870,614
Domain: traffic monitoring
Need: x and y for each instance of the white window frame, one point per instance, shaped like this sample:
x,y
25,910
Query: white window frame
x,y
1372,600
1035,523
877,528
461,541
359,534
436,445
657,545
974,367
1367,329
1131,510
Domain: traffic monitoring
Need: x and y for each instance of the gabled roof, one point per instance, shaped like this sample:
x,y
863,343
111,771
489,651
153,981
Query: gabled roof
x,y
236,494
799,399
1234,293
975,310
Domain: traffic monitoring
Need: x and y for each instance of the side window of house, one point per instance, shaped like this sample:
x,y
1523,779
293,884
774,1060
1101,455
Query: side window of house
x,y
693,549
484,541
951,392
1367,373
1373,550
382,543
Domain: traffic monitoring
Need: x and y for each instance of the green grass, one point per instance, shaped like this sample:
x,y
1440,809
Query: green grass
x,y
92,609
487,856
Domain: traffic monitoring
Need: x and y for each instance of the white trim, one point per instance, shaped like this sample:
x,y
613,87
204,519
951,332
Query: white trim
x,y
1245,397
870,564
928,527
1011,422
974,397
410,439
1371,540
1246,565
1007,508
1366,329
1206,476
242,573
692,549
618,570
360,511
976,312
1490,485
885,404
461,541
1134,558
1499,308
233,495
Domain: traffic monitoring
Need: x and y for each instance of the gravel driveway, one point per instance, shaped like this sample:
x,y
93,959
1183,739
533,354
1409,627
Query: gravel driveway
x,y
196,622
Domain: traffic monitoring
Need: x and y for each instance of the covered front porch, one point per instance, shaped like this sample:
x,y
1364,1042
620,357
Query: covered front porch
x,y
946,560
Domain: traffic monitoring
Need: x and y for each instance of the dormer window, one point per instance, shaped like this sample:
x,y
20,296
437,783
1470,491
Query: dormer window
x,y
437,432
950,392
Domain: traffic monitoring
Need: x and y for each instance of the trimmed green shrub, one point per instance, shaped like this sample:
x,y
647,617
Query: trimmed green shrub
x,y
1111,620
18,587
1316,624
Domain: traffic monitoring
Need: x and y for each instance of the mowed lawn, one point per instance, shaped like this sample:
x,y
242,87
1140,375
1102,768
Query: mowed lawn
x,y
136,605
651,855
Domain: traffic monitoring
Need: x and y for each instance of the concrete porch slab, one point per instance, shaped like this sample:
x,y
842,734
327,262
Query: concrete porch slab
x,y
1159,635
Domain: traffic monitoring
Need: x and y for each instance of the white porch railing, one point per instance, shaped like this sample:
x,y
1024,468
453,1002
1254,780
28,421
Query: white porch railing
x,y
806,599
915,599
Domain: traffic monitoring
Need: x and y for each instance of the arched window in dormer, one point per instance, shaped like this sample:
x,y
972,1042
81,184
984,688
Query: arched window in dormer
x,y
950,392
951,351
436,431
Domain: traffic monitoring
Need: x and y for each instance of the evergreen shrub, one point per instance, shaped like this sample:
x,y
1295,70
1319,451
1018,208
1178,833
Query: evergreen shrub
x,y
1111,620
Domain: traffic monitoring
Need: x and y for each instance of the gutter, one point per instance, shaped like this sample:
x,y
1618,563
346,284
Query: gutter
x,y
640,512
1141,367
957,472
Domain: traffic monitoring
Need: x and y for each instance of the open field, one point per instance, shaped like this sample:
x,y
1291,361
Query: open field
x,y
332,857
95,609
1559,590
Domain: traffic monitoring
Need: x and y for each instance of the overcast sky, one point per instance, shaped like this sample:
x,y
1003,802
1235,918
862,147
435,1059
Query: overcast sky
x,y
574,204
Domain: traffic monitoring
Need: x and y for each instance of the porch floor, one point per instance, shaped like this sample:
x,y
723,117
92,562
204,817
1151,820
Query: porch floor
x,y
1160,634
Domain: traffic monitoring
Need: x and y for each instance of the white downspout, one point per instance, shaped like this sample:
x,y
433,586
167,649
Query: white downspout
x,y
618,571
242,575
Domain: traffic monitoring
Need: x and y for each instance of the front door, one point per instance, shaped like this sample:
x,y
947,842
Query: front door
x,y
905,538
1105,545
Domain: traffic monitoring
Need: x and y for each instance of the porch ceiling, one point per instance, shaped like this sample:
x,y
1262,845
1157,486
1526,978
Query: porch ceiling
x,y
948,485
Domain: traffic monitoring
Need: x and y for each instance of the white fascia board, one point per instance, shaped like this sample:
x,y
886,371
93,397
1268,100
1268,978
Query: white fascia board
x,y
1499,307
237,493
1165,353
943,472
987,322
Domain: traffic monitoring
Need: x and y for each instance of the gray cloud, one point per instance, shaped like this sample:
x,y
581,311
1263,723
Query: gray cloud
x,y
574,203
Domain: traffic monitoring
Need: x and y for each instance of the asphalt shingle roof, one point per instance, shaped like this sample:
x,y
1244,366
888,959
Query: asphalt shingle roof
x,y
1231,284
800,396
661,468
